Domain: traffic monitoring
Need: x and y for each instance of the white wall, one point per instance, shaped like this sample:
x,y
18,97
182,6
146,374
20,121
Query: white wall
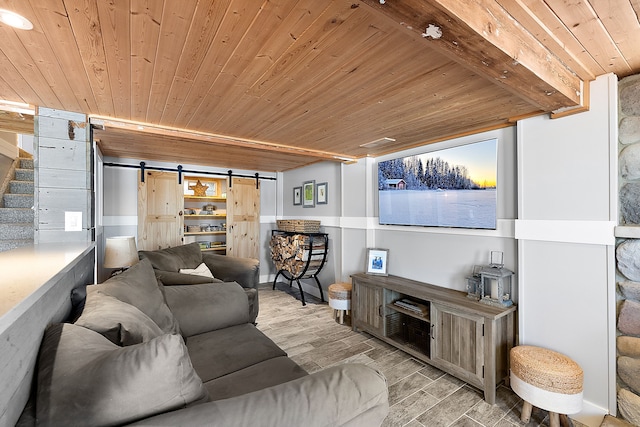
x,y
440,256
567,176
446,256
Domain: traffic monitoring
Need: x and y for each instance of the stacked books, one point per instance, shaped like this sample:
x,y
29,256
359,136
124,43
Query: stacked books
x,y
412,306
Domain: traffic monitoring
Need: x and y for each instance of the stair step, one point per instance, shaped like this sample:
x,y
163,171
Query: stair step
x,y
26,163
7,245
16,215
18,200
21,187
24,174
23,231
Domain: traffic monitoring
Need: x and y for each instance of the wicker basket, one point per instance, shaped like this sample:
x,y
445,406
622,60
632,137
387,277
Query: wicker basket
x,y
298,225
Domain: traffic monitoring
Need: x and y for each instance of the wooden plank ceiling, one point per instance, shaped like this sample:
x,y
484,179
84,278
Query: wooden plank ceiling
x,y
272,85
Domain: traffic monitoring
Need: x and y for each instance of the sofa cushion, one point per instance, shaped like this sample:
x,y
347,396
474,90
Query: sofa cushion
x,y
175,258
119,322
217,353
171,278
207,307
138,286
84,378
255,377
201,270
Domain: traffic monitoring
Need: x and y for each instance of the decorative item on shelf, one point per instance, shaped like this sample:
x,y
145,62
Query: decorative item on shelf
x,y
199,189
120,252
193,228
473,283
209,208
204,245
377,261
495,282
197,211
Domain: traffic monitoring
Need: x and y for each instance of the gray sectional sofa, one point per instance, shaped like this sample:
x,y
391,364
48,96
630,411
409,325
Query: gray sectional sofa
x,y
146,354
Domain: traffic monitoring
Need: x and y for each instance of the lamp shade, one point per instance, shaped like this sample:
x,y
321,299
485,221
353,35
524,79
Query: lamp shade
x,y
120,252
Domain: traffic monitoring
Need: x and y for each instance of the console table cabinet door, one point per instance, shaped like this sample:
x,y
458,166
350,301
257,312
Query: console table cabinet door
x,y
367,309
457,342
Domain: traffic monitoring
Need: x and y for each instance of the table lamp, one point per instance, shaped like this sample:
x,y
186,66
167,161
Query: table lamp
x,y
120,253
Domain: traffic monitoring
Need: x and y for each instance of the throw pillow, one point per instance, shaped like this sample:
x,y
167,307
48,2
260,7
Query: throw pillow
x,y
201,270
83,379
173,259
119,322
138,286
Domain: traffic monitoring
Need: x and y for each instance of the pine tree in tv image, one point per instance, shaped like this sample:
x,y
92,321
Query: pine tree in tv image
x,y
453,187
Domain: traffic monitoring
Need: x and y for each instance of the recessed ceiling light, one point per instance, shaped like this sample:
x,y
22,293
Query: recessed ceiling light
x,y
378,142
14,20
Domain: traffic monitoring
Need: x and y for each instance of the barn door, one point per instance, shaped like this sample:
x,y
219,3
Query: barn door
x,y
243,218
160,203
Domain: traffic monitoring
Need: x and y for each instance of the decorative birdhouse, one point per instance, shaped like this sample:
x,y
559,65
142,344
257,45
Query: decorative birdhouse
x,y
495,282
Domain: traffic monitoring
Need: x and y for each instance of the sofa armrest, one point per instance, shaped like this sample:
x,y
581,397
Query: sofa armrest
x,y
207,307
245,271
345,395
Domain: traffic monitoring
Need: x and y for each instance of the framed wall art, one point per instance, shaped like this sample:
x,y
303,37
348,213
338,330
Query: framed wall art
x,y
377,261
297,195
321,193
308,194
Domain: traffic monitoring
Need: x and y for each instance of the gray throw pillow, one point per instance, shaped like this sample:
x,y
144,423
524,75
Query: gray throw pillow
x,y
138,286
83,379
175,258
119,322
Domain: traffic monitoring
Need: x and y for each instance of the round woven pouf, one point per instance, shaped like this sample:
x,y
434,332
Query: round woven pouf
x,y
340,300
547,380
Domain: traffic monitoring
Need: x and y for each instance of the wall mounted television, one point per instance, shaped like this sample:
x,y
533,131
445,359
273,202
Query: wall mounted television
x,y
453,187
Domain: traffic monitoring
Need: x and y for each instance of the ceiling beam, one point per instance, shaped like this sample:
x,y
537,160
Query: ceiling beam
x,y
482,36
214,139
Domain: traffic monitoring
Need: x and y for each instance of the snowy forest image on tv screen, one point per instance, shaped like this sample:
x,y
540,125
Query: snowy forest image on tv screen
x,y
454,187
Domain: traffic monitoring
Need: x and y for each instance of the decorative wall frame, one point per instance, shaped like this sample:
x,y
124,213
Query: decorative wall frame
x,y
321,193
297,196
377,261
309,194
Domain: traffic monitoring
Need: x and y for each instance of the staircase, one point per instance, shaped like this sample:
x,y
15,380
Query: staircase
x,y
16,211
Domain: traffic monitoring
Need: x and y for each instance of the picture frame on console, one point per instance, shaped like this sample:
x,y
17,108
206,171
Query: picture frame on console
x,y
377,261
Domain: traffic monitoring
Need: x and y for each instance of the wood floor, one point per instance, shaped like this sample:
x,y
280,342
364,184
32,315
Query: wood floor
x,y
419,394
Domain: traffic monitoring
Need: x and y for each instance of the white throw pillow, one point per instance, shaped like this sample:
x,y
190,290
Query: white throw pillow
x,y
201,270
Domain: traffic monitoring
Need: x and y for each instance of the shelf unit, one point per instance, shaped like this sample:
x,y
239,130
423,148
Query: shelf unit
x,y
216,196
463,337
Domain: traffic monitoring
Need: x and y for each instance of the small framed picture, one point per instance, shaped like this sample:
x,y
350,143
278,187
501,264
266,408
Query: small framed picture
x,y
321,193
377,261
297,195
308,194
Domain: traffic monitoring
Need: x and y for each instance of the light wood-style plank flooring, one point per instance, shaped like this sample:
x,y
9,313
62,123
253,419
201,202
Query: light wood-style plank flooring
x,y
419,394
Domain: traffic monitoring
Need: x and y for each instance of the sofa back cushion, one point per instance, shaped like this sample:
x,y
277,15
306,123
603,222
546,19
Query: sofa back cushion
x,y
84,379
119,322
138,286
173,259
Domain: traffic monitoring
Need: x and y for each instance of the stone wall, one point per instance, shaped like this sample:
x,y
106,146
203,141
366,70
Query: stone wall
x,y
628,252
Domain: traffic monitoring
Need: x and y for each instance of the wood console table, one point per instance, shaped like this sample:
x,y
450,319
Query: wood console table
x,y
442,327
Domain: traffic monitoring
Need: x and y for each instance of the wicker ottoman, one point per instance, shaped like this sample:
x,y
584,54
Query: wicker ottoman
x,y
547,380
340,300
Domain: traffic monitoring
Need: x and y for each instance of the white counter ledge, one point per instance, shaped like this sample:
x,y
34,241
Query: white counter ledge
x,y
27,272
